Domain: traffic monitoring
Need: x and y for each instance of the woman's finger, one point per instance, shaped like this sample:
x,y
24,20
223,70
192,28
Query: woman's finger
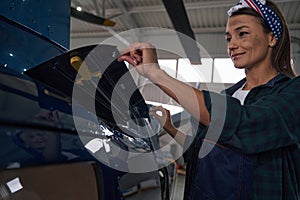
x,y
158,111
134,53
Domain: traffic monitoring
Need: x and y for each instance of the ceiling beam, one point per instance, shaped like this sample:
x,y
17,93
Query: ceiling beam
x,y
137,35
220,29
125,13
97,8
188,6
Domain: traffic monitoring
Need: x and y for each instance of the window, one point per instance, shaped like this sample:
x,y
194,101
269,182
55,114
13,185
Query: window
x,y
195,73
169,65
225,72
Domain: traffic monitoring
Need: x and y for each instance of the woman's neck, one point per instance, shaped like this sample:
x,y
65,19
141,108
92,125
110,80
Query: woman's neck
x,y
259,76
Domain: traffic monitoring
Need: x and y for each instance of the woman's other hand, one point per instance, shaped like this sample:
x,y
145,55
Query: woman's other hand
x,y
163,117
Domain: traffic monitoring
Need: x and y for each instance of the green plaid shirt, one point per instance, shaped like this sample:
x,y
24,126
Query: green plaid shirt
x,y
267,128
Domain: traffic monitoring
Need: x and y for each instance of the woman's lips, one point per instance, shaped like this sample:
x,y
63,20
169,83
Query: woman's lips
x,y
236,55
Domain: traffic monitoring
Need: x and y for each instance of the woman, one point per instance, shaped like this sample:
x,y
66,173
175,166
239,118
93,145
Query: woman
x,y
262,122
44,146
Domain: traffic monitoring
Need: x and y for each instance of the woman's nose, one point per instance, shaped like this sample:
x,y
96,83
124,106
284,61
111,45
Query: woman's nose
x,y
232,44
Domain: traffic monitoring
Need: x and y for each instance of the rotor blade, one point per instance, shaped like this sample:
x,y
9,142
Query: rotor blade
x,y
91,18
180,21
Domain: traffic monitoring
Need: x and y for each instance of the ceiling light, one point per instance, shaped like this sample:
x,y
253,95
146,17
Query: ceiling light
x,y
79,8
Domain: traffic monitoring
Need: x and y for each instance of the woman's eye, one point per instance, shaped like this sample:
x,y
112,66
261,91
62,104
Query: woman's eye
x,y
228,39
243,33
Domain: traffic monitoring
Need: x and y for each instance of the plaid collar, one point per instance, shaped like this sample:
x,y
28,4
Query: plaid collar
x,y
270,83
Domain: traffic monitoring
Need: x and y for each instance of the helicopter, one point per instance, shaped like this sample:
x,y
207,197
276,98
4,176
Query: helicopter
x,y
48,134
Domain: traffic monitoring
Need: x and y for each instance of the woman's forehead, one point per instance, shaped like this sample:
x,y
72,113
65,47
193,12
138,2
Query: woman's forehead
x,y
242,20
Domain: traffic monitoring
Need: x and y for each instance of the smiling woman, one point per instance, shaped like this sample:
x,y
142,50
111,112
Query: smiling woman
x,y
249,48
246,145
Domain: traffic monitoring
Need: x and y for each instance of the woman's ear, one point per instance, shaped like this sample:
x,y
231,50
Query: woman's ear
x,y
272,40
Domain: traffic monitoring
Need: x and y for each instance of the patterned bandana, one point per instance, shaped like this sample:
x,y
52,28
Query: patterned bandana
x,y
265,11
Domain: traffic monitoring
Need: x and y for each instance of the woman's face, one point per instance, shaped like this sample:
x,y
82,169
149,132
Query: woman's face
x,y
248,44
33,140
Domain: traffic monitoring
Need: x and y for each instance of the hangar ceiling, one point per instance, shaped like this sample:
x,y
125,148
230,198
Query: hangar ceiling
x,y
205,16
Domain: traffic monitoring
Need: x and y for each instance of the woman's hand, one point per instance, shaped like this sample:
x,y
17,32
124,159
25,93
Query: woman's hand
x,y
142,56
163,117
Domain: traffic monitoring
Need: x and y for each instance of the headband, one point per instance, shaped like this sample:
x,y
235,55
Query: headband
x,y
270,17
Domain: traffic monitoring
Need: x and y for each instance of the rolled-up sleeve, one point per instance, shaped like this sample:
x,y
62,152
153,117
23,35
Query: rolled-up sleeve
x,y
269,122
